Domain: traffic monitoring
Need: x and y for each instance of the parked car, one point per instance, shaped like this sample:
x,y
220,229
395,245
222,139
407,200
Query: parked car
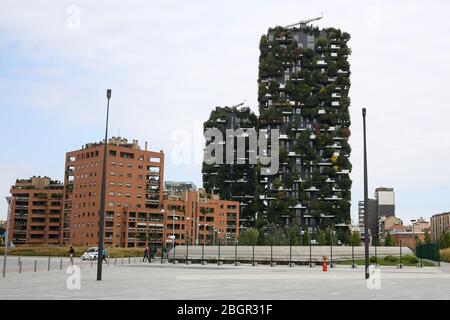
x,y
90,254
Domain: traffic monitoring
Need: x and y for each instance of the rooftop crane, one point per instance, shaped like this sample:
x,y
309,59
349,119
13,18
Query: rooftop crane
x,y
303,23
238,105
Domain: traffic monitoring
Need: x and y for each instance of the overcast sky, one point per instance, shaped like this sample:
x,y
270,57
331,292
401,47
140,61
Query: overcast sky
x,y
169,63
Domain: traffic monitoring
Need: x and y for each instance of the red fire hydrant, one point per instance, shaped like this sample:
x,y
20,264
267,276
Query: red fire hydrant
x,y
325,264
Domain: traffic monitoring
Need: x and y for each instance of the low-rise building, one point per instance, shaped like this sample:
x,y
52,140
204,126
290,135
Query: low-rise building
x,y
196,217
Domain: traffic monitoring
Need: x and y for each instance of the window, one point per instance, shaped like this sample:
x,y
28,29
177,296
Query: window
x,y
128,175
129,165
113,173
111,193
112,153
111,204
127,195
112,183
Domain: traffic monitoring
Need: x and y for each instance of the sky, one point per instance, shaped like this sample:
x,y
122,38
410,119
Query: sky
x,y
169,63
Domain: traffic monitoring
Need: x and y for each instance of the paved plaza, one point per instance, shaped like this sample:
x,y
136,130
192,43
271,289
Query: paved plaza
x,y
137,280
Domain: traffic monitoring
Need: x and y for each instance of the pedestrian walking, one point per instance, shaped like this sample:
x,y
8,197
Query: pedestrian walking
x,y
146,252
104,256
71,254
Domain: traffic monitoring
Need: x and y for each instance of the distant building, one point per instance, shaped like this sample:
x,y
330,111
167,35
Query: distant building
x,y
382,206
36,211
179,186
196,217
373,218
438,224
385,198
390,224
407,239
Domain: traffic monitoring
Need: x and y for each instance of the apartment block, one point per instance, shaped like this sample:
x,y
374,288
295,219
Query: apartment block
x,y
235,181
304,83
195,217
372,216
36,211
438,224
134,194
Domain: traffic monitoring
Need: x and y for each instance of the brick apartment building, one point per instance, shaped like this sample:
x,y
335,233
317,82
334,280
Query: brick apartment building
x,y
200,218
438,224
134,194
36,211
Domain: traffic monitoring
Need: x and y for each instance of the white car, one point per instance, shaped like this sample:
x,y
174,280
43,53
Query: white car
x,y
90,254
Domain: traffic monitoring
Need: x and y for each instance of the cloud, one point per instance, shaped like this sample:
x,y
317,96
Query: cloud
x,y
170,62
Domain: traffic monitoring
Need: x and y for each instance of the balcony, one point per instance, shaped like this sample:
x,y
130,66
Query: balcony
x,y
153,173
335,104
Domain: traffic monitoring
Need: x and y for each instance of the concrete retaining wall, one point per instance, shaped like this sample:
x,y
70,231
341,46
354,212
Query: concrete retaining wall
x,y
280,254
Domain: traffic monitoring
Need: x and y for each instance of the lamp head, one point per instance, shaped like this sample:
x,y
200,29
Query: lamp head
x,y
364,112
108,93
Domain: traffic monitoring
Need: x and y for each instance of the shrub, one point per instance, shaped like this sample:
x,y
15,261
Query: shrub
x,y
373,259
390,259
411,259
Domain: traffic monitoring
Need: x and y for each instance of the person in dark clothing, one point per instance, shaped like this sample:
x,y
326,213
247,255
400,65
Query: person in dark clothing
x,y
71,254
146,250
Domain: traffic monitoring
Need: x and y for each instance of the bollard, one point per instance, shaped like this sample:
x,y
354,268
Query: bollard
x,y
48,263
115,261
18,261
122,259
400,266
253,256
376,255
271,255
235,254
310,255
353,257
20,266
60,264
92,262
218,255
203,254
35,265
187,251
331,254
290,254
174,251
129,260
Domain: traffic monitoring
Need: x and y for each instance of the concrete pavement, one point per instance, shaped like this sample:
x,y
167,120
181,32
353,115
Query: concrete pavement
x,y
180,281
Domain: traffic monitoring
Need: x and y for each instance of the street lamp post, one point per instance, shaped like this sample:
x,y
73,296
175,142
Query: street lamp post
x,y
9,200
102,199
366,200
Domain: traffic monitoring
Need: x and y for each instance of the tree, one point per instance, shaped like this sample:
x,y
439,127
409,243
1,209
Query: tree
x,y
444,240
389,241
375,241
293,234
306,238
321,238
275,235
249,237
427,237
355,239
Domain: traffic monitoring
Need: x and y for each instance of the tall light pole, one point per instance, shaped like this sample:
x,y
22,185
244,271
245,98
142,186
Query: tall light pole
x,y
366,201
414,235
9,200
102,199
